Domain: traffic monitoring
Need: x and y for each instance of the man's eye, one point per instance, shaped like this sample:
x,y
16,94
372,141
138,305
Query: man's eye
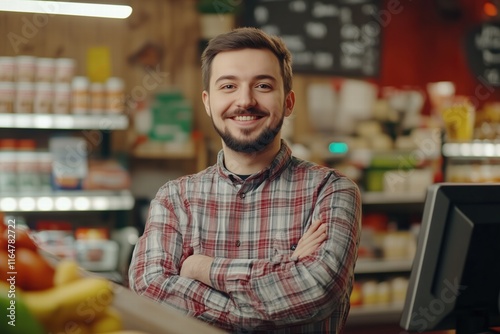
x,y
228,86
264,86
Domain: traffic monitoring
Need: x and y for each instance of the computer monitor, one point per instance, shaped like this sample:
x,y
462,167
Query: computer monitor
x,y
455,278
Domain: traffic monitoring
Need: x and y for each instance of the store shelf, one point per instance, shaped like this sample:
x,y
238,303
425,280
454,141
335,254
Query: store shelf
x,y
160,150
392,197
52,121
474,149
374,314
193,149
99,200
370,266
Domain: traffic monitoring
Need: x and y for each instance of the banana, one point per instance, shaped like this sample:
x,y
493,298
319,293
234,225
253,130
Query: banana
x,y
66,271
110,321
72,327
80,301
127,332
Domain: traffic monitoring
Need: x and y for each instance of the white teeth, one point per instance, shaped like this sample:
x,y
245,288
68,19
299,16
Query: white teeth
x,y
245,118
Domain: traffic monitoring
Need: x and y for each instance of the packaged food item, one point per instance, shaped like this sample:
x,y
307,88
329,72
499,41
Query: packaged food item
x,y
8,174
25,68
25,95
64,69
44,160
79,95
97,98
7,69
28,176
69,165
45,70
115,97
7,97
62,98
44,98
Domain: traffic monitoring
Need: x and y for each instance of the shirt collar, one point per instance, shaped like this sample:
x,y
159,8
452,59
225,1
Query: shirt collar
x,y
271,172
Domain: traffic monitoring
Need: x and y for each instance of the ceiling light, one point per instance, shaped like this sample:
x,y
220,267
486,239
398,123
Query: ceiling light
x,y
66,8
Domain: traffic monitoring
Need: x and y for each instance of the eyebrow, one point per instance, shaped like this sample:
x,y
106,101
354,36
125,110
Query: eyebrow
x,y
258,77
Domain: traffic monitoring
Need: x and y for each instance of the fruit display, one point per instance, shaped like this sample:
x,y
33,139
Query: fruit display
x,y
40,297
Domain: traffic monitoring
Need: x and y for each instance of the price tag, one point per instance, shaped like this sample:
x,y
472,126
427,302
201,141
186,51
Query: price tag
x,y
98,64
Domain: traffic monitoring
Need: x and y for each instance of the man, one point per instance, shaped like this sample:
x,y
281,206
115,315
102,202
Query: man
x,y
261,241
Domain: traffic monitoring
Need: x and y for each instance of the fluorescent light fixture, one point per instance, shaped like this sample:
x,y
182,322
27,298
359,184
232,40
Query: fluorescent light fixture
x,y
66,8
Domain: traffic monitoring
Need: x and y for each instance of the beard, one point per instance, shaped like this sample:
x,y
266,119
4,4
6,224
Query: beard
x,y
258,144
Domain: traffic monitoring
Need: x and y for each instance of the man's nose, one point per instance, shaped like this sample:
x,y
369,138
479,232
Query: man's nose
x,y
246,98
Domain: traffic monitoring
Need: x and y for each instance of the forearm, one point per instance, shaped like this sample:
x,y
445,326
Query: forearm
x,y
197,267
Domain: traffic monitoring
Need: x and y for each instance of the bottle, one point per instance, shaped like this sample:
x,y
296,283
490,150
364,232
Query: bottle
x,y
62,98
28,176
45,70
25,68
97,98
7,69
115,99
7,97
25,94
8,174
79,95
64,69
44,97
44,160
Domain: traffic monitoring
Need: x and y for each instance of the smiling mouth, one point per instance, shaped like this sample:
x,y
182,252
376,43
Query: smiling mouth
x,y
246,118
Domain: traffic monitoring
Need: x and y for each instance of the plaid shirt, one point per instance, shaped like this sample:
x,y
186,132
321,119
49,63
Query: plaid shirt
x,y
251,228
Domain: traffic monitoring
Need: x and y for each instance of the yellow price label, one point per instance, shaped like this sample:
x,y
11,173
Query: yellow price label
x,y
98,63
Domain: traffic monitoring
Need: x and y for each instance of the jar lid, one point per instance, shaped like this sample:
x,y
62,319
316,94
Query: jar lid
x,y
26,59
80,82
8,144
65,61
26,144
115,83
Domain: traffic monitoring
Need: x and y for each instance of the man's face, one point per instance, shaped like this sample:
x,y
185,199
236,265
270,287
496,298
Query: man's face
x,y
247,103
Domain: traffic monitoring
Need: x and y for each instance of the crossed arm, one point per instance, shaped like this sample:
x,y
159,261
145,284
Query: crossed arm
x,y
197,266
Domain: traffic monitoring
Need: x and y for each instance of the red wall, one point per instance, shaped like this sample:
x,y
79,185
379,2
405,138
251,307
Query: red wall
x,y
421,45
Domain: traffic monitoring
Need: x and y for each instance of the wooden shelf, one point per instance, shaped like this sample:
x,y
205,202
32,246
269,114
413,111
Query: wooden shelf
x,y
193,149
375,198
475,149
368,266
374,314
158,150
75,200
67,121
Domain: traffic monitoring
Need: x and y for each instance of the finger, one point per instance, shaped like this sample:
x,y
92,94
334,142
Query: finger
x,y
314,226
313,243
309,246
306,251
311,238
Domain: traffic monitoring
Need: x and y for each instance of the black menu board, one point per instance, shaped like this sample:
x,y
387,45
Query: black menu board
x,y
483,52
336,37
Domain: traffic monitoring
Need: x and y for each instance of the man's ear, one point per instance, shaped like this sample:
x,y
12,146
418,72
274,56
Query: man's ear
x,y
205,96
289,103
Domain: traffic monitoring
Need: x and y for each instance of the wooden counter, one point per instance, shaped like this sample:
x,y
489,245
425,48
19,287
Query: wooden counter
x,y
143,314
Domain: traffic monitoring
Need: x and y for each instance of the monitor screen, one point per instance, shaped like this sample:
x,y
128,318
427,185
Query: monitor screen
x,y
455,278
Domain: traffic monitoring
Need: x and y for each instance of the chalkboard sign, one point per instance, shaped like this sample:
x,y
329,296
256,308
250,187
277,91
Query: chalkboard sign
x,y
483,52
337,37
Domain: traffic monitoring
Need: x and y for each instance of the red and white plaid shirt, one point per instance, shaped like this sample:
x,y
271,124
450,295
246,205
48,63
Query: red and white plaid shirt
x,y
251,228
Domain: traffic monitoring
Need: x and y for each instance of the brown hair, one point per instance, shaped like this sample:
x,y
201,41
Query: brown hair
x,y
243,38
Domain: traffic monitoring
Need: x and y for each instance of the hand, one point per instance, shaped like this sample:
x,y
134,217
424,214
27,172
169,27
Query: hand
x,y
311,240
197,267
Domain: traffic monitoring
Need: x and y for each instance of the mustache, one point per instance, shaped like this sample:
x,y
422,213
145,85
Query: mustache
x,y
249,111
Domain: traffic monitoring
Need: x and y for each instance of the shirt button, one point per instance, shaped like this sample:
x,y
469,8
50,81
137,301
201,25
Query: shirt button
x,y
238,243
293,247
242,195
